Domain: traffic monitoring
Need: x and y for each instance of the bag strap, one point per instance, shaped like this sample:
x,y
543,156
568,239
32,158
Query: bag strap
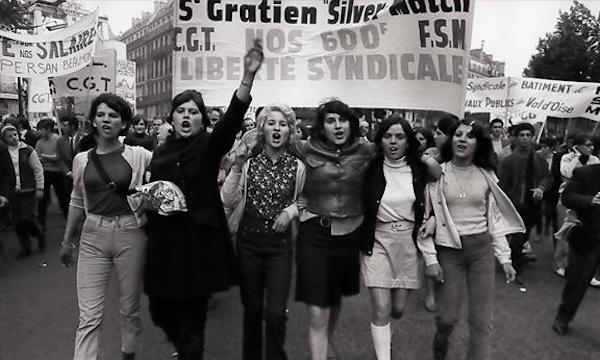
x,y
104,175
98,165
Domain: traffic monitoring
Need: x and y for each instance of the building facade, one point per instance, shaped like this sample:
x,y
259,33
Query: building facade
x,y
482,65
150,45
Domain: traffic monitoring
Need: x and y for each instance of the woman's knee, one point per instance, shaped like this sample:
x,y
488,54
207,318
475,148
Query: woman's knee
x,y
318,317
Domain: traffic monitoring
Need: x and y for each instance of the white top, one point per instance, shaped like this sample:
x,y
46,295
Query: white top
x,y
399,195
466,194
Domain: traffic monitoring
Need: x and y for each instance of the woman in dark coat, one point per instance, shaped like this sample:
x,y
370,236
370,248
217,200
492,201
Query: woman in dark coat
x,y
190,255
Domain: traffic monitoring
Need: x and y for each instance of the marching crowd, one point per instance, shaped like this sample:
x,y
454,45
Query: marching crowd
x,y
404,208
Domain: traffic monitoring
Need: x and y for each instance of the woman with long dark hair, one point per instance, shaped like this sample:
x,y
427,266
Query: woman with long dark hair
x,y
190,255
393,201
473,217
112,235
261,193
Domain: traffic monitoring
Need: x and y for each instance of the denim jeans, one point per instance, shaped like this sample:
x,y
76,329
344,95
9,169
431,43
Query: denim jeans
x,y
265,264
475,262
106,243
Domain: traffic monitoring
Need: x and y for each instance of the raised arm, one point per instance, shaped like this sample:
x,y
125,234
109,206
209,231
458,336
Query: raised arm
x,y
223,135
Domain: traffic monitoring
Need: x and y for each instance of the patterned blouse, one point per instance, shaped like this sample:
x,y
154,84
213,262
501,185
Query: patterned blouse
x,y
270,186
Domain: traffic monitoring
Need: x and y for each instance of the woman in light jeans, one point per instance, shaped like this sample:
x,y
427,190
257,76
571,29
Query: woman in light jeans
x,y
113,234
472,217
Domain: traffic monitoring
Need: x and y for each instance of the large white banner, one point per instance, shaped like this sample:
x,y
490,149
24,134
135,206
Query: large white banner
x,y
532,100
369,53
52,54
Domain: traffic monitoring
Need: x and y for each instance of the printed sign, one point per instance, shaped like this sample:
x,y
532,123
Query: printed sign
x,y
369,53
53,54
39,99
532,100
125,81
81,87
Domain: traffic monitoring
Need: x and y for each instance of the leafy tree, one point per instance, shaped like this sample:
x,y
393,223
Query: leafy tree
x,y
13,15
572,51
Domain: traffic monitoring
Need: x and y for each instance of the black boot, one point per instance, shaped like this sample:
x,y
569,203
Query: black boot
x,y
128,356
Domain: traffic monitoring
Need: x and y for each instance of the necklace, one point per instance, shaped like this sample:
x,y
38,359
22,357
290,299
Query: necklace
x,y
462,194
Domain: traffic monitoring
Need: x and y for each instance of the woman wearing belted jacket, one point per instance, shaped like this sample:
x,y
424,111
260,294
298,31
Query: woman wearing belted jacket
x,y
190,255
472,218
331,212
393,202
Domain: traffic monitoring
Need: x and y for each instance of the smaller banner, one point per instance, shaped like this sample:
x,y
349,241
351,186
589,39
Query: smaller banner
x,y
46,55
38,96
125,81
76,91
532,100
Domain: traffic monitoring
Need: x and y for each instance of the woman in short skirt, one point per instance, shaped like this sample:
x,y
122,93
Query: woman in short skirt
x,y
393,202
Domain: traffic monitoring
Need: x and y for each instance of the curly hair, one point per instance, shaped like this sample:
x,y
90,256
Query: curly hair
x,y
115,102
412,149
336,107
484,156
287,112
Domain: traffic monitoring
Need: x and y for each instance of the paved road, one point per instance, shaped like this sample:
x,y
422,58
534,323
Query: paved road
x,y
38,315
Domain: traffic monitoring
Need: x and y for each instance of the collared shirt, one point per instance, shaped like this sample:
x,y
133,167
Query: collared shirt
x,y
270,185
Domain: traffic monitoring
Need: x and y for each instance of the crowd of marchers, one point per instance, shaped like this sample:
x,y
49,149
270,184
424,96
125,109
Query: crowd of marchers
x,y
398,207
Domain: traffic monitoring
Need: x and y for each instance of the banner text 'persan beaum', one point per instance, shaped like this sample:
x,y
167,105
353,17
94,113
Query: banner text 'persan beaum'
x,y
51,54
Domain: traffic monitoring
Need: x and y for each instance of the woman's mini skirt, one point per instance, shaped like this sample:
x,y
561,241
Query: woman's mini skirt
x,y
328,266
394,262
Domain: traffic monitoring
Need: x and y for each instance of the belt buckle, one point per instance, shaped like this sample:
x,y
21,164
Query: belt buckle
x,y
324,221
396,226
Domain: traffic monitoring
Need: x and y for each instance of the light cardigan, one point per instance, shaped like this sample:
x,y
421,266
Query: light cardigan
x,y
233,194
136,156
503,218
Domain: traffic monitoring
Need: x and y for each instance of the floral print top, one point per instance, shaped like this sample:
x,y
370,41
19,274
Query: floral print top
x,y
270,186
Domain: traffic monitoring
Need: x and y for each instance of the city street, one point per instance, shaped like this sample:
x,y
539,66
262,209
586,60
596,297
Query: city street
x,y
38,316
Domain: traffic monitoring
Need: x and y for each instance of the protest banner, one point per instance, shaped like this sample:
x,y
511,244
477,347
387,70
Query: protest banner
x,y
77,90
532,100
369,53
52,54
38,96
125,81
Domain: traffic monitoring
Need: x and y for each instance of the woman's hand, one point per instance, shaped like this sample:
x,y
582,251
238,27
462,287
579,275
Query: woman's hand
x,y
509,272
282,222
241,154
434,271
66,254
428,229
254,58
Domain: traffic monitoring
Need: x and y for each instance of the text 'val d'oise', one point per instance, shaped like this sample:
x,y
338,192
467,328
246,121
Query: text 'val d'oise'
x,y
438,33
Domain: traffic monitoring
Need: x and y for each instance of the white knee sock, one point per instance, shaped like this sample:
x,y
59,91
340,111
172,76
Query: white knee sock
x,y
382,339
